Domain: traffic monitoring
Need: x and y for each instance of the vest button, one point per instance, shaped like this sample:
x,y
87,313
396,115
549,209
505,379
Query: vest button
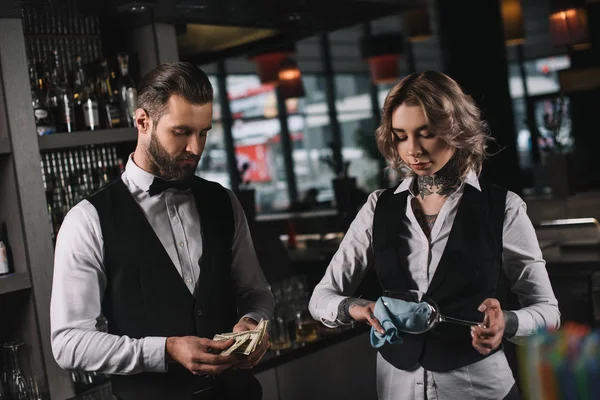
x,y
198,312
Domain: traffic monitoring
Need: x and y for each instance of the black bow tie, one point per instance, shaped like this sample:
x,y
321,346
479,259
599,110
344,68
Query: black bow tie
x,y
160,185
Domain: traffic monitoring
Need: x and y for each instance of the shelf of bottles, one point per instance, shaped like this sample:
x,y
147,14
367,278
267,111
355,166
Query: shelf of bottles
x,y
81,101
71,175
73,86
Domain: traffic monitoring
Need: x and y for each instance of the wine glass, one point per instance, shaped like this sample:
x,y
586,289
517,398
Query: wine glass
x,y
435,316
35,391
13,378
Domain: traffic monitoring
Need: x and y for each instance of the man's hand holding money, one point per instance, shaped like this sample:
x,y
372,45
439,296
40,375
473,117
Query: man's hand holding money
x,y
255,346
200,355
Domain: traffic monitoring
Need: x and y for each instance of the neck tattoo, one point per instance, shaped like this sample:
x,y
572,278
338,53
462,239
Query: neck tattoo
x,y
425,221
444,182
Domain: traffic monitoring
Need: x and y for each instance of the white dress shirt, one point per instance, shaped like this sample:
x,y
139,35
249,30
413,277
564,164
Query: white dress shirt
x,y
80,280
490,378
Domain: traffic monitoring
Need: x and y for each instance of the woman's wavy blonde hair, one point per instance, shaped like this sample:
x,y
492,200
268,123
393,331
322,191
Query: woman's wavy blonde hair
x,y
451,115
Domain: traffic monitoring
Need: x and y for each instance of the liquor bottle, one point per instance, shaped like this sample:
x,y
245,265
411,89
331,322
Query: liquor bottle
x,y
92,167
127,92
4,264
86,104
47,175
82,175
65,108
70,176
106,173
44,118
73,178
116,163
51,95
109,99
5,267
56,212
67,188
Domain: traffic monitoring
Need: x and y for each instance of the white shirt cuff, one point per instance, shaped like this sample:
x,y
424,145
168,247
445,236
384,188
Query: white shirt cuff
x,y
331,312
524,329
154,354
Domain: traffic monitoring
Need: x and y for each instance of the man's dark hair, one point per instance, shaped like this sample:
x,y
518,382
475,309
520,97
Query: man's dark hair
x,y
177,78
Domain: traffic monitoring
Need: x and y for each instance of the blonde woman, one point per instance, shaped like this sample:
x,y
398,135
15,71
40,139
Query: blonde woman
x,y
450,234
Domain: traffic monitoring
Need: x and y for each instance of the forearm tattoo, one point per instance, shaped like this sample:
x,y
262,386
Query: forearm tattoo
x,y
444,182
511,323
344,308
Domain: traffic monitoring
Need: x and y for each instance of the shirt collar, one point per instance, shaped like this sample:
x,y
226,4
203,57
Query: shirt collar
x,y
407,184
138,176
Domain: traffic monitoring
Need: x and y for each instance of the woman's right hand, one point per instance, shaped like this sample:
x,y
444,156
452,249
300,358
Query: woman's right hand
x,y
361,310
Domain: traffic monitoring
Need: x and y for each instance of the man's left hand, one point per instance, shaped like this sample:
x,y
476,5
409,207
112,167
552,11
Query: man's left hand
x,y
249,361
488,336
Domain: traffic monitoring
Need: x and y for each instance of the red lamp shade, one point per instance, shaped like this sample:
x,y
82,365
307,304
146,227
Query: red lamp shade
x,y
290,79
382,53
569,27
268,65
384,68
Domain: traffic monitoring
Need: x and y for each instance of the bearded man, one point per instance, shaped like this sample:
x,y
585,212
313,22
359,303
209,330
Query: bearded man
x,y
166,257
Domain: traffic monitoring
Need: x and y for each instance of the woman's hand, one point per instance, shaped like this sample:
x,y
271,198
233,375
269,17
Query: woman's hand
x,y
362,311
488,336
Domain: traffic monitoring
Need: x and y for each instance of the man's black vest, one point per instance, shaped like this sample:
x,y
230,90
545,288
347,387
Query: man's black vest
x,y
146,296
468,273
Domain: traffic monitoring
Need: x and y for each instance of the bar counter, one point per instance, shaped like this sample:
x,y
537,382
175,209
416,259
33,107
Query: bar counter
x,y
341,366
275,358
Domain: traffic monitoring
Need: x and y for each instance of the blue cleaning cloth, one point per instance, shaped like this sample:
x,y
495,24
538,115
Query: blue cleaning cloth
x,y
399,315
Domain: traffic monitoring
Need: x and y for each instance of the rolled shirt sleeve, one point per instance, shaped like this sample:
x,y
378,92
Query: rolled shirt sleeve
x,y
347,267
526,269
78,286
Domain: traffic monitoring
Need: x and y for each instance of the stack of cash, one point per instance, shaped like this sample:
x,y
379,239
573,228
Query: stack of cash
x,y
245,342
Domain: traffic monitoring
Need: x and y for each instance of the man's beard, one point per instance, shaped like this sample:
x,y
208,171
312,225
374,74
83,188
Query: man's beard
x,y
165,165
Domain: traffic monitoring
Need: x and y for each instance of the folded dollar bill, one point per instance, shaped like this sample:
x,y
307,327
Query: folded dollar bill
x,y
245,342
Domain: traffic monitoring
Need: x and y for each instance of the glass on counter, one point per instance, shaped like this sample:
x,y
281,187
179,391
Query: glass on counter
x,y
280,337
292,324
306,327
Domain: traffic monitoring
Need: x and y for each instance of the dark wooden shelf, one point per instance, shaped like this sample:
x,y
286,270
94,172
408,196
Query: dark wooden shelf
x,y
85,138
4,146
14,282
